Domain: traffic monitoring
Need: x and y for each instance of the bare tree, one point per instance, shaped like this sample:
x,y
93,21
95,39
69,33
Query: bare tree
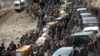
x,y
32,8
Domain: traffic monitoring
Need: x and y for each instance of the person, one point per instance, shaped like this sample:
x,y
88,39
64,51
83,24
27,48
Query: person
x,y
2,49
8,53
18,45
99,38
40,53
9,48
34,51
98,45
42,4
13,45
76,42
46,53
91,48
75,51
83,51
22,39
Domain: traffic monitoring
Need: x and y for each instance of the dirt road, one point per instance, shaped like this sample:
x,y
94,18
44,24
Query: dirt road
x,y
13,25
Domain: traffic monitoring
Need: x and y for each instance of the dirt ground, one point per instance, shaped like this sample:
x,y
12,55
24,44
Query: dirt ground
x,y
13,25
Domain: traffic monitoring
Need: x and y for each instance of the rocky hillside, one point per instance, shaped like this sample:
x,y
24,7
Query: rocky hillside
x,y
13,25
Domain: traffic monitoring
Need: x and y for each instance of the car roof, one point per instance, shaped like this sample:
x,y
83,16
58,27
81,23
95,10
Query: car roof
x,y
94,20
89,18
86,14
64,51
81,33
81,9
65,48
91,28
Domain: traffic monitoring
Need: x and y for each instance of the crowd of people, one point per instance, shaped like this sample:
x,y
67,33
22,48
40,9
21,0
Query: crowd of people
x,y
10,51
58,34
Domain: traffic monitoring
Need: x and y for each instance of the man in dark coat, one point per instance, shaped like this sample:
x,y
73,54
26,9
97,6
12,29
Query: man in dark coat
x,y
91,48
83,51
75,52
11,47
2,49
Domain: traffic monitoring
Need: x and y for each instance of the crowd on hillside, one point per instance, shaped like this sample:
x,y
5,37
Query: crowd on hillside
x,y
58,34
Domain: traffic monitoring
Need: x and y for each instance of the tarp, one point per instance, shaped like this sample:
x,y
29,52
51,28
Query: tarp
x,y
59,18
62,12
63,6
65,15
40,41
45,35
23,48
69,3
52,23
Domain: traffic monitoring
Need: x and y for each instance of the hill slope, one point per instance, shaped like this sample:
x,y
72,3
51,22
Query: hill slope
x,y
13,25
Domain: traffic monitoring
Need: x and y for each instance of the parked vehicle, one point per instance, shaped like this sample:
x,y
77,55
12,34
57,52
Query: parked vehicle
x,y
64,51
95,29
82,38
90,21
83,15
82,10
20,4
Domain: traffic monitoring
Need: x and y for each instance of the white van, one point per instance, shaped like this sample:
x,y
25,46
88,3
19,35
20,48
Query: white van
x,y
95,29
20,4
